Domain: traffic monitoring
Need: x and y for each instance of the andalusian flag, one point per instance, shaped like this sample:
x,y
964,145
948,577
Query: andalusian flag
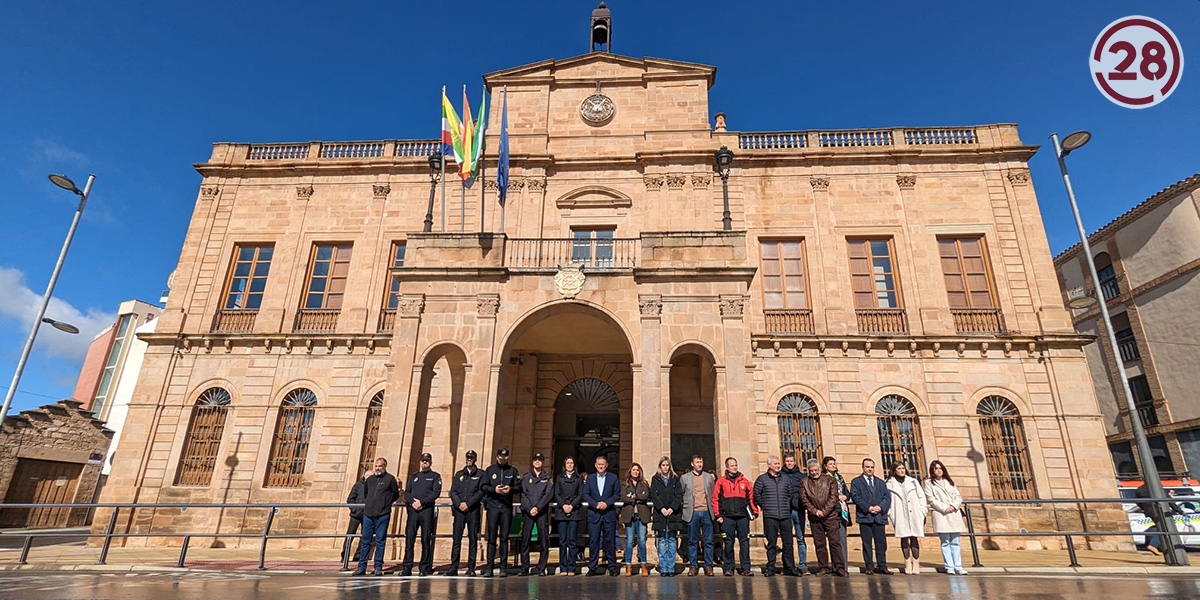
x,y
451,131
472,140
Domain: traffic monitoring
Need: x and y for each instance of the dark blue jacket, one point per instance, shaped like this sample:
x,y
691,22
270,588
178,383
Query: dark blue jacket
x,y
425,486
592,496
864,498
797,476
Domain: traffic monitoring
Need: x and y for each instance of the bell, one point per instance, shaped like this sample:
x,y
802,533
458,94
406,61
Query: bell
x,y
600,33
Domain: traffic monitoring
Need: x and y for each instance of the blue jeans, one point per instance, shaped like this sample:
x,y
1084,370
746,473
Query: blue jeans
x,y
635,528
951,552
801,545
374,530
568,531
668,545
700,530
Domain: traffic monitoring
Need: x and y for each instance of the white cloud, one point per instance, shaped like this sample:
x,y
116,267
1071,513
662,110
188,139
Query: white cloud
x,y
19,305
46,150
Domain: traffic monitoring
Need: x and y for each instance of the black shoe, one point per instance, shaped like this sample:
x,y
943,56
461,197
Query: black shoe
x,y
595,572
543,572
470,573
883,571
358,573
768,572
614,572
424,573
377,572
484,573
503,572
406,572
451,573
524,572
794,573
840,574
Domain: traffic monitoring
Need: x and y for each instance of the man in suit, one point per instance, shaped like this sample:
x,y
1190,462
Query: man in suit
x,y
871,503
601,493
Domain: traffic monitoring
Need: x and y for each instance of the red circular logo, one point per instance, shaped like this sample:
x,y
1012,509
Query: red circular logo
x,y
1136,62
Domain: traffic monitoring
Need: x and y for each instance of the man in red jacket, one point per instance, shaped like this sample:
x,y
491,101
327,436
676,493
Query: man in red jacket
x,y
733,503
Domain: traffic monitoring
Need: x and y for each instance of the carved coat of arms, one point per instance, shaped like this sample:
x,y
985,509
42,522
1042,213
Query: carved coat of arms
x,y
569,279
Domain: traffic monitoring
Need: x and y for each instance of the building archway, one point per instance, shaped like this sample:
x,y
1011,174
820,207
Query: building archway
x,y
439,408
693,399
566,388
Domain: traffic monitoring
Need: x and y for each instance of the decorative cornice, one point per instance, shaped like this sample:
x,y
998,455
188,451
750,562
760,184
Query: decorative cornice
x,y
536,185
411,306
487,306
676,181
304,192
650,306
515,184
819,183
701,181
906,182
381,191
491,185
732,306
1018,177
653,182
209,192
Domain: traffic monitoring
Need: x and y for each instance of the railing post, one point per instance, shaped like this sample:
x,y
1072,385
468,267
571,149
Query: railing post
x,y
971,533
347,543
262,552
183,551
25,550
1071,552
112,524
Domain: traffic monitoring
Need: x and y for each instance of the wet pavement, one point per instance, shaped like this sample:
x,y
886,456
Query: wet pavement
x,y
281,586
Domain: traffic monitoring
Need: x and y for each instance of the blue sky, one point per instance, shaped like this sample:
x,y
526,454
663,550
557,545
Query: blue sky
x,y
137,92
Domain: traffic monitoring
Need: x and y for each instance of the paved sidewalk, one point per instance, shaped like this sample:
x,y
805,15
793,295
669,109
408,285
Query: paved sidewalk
x,y
77,557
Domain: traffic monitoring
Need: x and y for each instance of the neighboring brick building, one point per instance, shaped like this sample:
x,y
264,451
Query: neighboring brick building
x,y
1147,260
885,293
50,454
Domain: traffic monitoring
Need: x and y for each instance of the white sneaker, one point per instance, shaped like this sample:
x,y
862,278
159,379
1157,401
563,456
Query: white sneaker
x,y
949,570
961,571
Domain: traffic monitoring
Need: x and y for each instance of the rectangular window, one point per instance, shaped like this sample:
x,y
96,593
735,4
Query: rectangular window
x,y
783,274
248,277
964,266
873,278
397,257
593,247
327,273
108,379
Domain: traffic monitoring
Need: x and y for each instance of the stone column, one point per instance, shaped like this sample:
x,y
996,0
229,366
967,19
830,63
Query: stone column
x,y
404,383
479,395
738,441
649,409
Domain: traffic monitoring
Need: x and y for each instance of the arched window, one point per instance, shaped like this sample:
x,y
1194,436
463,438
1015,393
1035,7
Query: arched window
x,y
899,434
292,434
199,457
799,433
1004,449
366,460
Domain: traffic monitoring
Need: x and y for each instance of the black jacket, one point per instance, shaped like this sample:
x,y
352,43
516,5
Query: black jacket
x,y
467,487
537,491
797,475
498,475
425,486
773,495
357,496
379,493
666,494
569,490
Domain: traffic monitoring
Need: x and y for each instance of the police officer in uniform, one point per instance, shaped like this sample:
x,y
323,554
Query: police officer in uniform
x,y
500,482
422,492
537,489
466,494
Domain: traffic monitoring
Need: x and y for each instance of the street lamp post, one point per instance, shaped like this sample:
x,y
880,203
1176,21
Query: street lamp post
x,y
724,158
435,168
65,183
1174,554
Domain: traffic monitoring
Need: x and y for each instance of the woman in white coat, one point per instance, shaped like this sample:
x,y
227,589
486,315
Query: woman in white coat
x,y
948,521
907,515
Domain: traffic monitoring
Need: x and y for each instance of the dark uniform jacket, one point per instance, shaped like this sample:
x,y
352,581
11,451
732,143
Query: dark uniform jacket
x,y
425,486
666,494
568,489
379,493
467,487
498,475
773,495
537,491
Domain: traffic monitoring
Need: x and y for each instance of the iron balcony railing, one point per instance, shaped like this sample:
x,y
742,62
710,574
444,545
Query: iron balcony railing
x,y
595,254
1127,345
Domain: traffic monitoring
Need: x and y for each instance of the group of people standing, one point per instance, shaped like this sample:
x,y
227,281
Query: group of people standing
x,y
692,505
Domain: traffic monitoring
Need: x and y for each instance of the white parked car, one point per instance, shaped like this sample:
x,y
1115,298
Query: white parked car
x,y
1187,523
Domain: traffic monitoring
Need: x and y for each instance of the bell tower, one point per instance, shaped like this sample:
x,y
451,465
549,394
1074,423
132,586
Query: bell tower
x,y
601,29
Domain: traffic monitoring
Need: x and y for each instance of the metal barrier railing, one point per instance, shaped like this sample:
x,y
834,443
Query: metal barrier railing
x,y
266,535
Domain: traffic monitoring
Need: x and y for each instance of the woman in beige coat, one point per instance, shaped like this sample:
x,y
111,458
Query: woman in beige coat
x,y
948,522
907,515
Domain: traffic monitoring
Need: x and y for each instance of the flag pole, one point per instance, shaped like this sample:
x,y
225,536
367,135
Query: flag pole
x,y
440,148
463,225
482,193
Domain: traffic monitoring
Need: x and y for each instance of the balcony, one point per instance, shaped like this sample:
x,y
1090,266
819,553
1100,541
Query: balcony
x,y
387,320
595,254
316,320
986,321
1110,288
1127,345
234,320
801,142
794,321
1148,415
882,321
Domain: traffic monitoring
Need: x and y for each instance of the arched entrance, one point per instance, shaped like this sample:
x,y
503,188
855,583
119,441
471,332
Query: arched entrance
x,y
566,388
693,397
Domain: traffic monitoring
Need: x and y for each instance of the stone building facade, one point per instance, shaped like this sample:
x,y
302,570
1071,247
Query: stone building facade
x,y
1147,260
881,293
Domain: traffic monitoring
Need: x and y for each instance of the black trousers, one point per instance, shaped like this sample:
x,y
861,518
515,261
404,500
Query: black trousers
x,y
736,528
542,520
470,521
499,522
426,521
773,530
873,535
355,523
